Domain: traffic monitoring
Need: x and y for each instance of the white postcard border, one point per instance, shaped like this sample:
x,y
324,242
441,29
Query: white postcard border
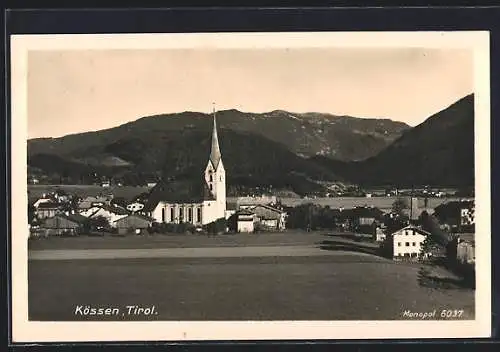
x,y
29,331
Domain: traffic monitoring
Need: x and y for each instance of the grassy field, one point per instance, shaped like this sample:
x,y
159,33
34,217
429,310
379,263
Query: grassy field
x,y
287,238
333,288
349,283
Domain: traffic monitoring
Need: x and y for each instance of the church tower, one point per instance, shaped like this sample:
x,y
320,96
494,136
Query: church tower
x,y
215,175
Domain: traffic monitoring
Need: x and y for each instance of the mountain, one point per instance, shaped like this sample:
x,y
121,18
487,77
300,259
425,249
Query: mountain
x,y
340,137
250,160
439,151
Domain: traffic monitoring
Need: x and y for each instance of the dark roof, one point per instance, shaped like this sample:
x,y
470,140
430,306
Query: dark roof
x,y
245,212
77,218
140,216
188,191
49,205
115,209
269,207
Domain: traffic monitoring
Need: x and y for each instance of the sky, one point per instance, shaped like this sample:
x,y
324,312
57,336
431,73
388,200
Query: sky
x,y
87,90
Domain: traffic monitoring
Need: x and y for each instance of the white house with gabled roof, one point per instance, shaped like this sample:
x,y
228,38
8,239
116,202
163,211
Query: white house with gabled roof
x,y
407,242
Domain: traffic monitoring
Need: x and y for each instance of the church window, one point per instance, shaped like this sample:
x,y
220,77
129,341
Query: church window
x,y
163,215
172,214
221,178
190,215
199,214
211,187
211,177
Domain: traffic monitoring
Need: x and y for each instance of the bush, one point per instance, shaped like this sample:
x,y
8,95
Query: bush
x,y
165,228
216,227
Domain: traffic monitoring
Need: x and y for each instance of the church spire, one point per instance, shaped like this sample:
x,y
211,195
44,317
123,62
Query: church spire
x,y
215,155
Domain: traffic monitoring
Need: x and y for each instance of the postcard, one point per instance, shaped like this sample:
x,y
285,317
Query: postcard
x,y
250,186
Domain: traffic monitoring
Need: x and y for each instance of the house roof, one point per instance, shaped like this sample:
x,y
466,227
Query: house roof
x,y
452,208
115,209
245,212
49,205
74,218
467,237
77,218
416,228
187,191
268,207
140,216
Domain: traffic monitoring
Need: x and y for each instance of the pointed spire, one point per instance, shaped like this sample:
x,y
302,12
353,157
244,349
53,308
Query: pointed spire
x,y
215,155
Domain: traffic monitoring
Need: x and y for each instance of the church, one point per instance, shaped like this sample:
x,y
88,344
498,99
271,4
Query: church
x,y
197,203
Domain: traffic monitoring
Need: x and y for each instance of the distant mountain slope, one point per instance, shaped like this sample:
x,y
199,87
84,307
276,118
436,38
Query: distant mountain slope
x,y
440,152
340,137
250,160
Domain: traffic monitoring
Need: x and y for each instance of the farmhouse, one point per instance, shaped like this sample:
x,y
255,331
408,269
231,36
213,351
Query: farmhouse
x,y
458,216
200,202
62,224
133,223
245,220
42,200
407,242
48,209
90,202
110,213
269,217
463,249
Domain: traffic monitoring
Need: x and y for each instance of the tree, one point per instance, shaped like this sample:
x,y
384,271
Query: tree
x,y
31,212
99,222
429,246
399,206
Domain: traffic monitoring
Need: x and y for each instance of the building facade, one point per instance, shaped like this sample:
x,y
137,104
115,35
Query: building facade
x,y
408,241
198,203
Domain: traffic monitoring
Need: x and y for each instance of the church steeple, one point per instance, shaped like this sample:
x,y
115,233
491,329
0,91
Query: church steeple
x,y
215,154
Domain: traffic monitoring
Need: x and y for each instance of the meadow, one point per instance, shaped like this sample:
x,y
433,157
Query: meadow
x,y
347,283
312,288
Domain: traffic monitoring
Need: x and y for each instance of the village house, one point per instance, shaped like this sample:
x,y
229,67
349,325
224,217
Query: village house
x,y
62,224
361,219
463,248
457,216
244,221
44,199
133,223
199,202
380,234
268,217
48,209
109,212
407,242
90,201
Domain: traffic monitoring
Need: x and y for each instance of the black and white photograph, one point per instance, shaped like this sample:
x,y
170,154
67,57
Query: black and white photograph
x,y
250,186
